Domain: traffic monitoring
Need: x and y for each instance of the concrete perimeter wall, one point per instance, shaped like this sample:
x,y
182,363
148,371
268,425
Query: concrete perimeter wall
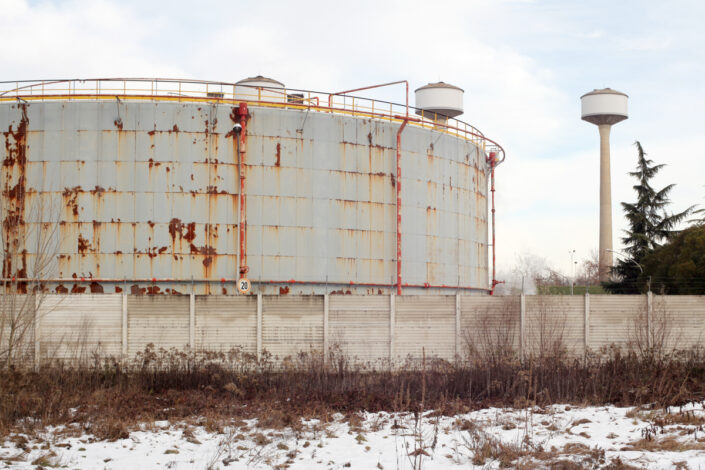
x,y
365,328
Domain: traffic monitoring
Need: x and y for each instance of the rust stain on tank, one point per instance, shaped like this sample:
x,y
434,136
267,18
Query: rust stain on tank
x,y
202,250
96,288
70,196
83,244
76,289
190,234
60,289
118,123
183,231
118,289
15,162
214,190
175,226
17,192
277,162
284,290
137,290
17,154
154,290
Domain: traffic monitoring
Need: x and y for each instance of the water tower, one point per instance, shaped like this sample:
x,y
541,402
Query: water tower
x,y
605,108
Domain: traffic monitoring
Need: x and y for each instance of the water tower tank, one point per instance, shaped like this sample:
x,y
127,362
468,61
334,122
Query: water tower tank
x,y
439,101
260,88
605,106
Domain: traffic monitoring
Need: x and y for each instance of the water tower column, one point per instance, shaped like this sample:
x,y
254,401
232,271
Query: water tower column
x,y
605,256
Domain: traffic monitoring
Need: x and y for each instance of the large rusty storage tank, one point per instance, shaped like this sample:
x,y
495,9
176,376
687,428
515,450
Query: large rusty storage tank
x,y
134,186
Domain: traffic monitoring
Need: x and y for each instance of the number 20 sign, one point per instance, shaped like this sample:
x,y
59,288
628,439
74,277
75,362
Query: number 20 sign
x,y
244,285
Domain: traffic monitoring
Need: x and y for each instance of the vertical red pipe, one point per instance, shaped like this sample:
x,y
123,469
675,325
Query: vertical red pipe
x,y
493,160
242,113
398,188
407,98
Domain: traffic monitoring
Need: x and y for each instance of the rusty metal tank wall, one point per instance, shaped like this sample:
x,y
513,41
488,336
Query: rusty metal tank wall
x,y
140,190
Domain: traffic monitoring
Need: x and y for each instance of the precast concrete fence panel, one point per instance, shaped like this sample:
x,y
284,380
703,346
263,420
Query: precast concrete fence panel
x,y
374,329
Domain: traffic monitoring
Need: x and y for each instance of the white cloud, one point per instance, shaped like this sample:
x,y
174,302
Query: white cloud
x,y
76,39
523,66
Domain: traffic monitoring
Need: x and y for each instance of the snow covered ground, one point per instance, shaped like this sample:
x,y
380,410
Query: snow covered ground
x,y
561,435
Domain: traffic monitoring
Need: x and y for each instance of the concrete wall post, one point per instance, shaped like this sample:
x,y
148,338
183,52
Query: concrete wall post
x,y
37,333
325,328
586,323
392,320
649,318
124,325
522,326
259,326
457,327
192,321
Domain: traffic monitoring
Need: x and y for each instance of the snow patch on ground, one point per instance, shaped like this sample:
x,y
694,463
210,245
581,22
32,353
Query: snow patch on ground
x,y
586,436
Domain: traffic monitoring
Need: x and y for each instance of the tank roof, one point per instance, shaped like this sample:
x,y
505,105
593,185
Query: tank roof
x,y
604,91
439,85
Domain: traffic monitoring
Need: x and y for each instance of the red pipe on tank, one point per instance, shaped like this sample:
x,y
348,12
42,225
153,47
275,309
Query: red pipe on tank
x,y
242,146
398,188
492,160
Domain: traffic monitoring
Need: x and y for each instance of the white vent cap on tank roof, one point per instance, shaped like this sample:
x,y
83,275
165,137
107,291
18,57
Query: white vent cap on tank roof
x,y
439,101
260,88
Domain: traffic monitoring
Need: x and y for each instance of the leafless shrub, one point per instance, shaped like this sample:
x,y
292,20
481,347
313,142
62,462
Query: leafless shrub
x,y
493,335
546,325
652,333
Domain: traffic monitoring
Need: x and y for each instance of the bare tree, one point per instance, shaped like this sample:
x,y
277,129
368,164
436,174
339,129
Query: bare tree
x,y
588,272
546,325
30,244
492,336
524,276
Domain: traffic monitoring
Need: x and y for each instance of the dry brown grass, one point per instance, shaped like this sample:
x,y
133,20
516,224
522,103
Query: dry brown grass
x,y
666,444
109,397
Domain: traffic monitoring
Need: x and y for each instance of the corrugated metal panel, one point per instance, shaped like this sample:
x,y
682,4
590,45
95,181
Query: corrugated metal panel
x,y
74,326
162,321
489,324
150,190
425,323
359,326
554,323
612,319
226,322
680,319
292,324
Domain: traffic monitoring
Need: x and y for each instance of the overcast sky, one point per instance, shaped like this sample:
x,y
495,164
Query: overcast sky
x,y
523,66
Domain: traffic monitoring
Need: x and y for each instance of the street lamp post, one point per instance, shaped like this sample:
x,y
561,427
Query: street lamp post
x,y
572,270
641,269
